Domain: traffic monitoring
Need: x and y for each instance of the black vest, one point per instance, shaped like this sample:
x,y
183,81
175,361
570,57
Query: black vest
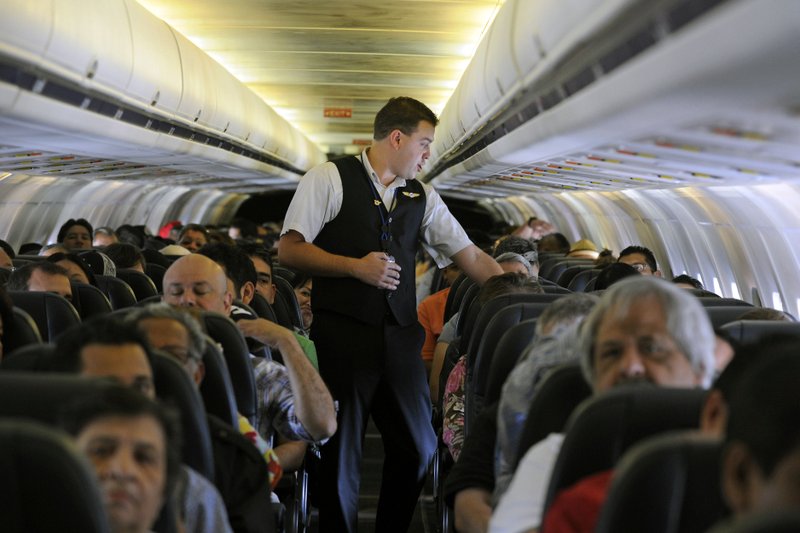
x,y
355,232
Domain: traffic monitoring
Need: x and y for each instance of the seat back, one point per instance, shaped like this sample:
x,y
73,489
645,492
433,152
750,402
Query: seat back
x,y
118,292
47,487
562,389
450,306
286,291
262,308
479,361
552,288
479,316
553,271
506,354
156,272
463,289
51,313
176,388
469,298
580,282
602,428
142,286
666,484
234,349
749,331
716,301
22,332
216,388
570,272
29,358
89,301
721,315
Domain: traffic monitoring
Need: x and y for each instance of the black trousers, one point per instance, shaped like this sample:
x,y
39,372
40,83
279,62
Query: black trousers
x,y
373,370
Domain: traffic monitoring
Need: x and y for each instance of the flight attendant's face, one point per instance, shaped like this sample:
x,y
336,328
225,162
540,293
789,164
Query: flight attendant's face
x,y
412,150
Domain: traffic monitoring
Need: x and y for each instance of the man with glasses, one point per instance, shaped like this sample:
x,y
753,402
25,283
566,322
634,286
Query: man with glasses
x,y
355,225
640,258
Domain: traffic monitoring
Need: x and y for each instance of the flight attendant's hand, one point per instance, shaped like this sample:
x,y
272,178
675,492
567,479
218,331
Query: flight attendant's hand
x,y
379,270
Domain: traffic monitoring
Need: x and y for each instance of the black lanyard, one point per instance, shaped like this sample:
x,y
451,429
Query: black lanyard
x,y
386,217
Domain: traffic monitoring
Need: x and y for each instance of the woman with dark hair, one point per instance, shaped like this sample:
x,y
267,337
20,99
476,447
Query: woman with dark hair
x,y
76,267
76,234
302,290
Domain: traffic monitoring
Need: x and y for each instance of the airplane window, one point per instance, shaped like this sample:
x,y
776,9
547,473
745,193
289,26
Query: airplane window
x,y
735,291
776,301
717,287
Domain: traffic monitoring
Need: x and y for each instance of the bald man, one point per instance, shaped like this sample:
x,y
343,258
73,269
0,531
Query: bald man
x,y
292,399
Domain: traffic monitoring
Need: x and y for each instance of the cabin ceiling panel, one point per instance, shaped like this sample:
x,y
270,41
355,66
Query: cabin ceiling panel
x,y
304,56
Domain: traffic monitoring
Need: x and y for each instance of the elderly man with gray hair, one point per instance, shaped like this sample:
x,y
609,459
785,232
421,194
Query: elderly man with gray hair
x,y
643,330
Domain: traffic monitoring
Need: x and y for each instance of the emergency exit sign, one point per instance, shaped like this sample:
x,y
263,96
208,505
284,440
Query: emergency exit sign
x,y
338,112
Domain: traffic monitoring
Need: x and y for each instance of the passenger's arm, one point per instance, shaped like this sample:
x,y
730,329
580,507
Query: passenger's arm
x,y
312,401
472,510
372,269
476,263
290,453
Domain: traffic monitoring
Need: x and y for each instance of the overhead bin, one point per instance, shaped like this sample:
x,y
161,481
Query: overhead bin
x,y
154,79
93,50
607,76
106,78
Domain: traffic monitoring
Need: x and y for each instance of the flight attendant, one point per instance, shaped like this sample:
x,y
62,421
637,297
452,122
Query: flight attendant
x,y
355,224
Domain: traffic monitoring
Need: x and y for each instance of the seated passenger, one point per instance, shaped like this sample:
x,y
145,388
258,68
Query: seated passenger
x,y
613,273
75,234
302,284
643,330
104,236
453,402
685,281
471,482
641,259
126,255
76,267
430,314
292,399
132,444
761,456
554,242
576,509
262,261
106,347
554,343
524,247
255,468
583,249
534,229
193,237
41,277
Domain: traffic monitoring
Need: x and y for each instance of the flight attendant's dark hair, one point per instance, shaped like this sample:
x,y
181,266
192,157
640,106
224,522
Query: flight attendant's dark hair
x,y
401,113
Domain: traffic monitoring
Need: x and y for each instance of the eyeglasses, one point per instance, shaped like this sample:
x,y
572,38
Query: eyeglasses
x,y
640,267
